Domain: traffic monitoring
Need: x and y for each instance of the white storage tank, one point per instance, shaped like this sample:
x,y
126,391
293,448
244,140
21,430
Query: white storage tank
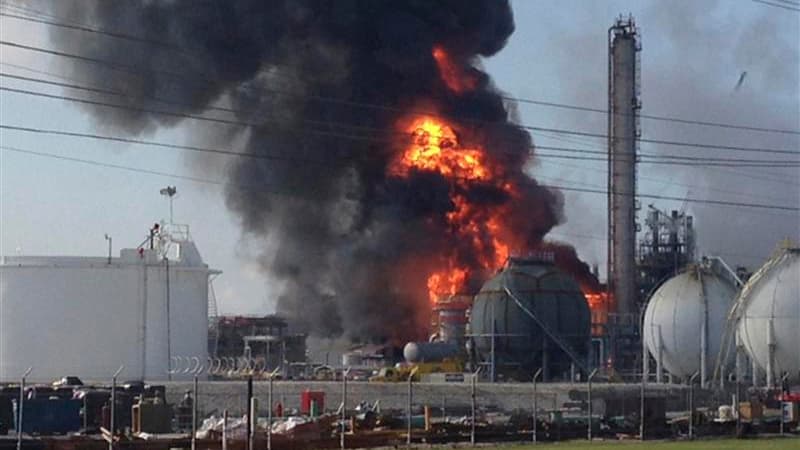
x,y
86,316
769,316
685,320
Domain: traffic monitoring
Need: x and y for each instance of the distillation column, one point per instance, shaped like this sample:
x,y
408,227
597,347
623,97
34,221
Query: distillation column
x,y
623,131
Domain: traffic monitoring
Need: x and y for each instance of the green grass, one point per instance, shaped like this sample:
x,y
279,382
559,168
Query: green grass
x,y
712,444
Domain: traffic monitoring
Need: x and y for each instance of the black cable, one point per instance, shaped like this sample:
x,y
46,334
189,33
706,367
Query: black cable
x,y
178,48
328,124
777,5
641,156
775,179
136,72
652,196
339,157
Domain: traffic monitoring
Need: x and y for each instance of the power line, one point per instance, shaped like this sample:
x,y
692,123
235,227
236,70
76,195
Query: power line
x,y
773,178
727,162
322,132
778,5
516,99
134,71
583,168
92,30
563,188
652,116
259,188
179,48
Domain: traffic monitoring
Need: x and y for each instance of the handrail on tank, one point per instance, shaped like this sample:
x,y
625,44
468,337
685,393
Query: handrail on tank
x,y
543,326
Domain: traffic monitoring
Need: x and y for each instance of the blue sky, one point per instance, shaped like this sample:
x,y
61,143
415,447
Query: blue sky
x,y
693,54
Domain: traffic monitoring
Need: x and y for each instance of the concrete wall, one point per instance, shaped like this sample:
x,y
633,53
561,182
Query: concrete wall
x,y
215,396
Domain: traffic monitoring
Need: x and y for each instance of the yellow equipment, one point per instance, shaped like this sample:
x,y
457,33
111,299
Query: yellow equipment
x,y
394,374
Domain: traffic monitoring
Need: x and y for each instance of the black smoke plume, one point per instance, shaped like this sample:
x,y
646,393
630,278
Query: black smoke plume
x,y
319,88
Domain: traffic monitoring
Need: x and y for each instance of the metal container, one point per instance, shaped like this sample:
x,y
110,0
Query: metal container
x,y
87,316
685,320
49,416
415,352
768,313
528,316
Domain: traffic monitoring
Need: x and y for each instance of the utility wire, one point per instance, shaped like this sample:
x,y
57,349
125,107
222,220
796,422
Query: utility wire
x,y
180,49
326,124
778,5
642,157
748,174
259,188
563,188
330,134
135,71
511,98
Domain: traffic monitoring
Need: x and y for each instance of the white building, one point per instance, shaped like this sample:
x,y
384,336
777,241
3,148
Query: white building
x,y
86,316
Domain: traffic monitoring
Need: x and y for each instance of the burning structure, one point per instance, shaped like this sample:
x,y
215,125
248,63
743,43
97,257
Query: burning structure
x,y
379,156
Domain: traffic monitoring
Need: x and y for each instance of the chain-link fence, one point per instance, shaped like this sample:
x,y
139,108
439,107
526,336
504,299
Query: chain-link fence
x,y
293,414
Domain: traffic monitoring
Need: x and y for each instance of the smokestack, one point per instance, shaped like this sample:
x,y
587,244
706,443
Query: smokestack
x,y
623,132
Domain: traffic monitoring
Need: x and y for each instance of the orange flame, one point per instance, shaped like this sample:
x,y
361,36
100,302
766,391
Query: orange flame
x,y
435,147
599,306
455,77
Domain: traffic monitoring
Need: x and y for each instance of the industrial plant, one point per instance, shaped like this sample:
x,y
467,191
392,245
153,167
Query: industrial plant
x,y
426,267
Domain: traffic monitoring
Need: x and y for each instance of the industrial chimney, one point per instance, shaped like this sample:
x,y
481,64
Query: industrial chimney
x,y
623,134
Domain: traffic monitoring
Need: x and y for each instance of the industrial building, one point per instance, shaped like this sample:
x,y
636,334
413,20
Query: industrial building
x,y
262,341
88,316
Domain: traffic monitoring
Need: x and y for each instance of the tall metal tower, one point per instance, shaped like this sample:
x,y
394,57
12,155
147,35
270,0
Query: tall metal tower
x,y
623,133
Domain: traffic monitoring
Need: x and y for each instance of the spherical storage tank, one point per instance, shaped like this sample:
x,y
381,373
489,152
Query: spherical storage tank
x,y
685,311
532,312
769,316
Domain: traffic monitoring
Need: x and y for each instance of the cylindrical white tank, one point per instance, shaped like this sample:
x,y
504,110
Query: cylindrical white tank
x,y
685,320
415,352
769,316
84,316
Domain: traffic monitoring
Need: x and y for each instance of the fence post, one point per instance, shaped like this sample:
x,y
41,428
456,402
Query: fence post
x,y
196,389
783,393
345,373
691,405
535,405
113,418
21,406
225,430
269,412
589,426
410,400
474,406
249,427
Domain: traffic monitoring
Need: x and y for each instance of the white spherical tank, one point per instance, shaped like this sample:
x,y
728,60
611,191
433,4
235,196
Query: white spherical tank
x,y
685,320
769,316
86,316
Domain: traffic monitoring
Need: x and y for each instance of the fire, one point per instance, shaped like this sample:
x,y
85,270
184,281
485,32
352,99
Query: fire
x,y
599,305
434,147
455,77
446,282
